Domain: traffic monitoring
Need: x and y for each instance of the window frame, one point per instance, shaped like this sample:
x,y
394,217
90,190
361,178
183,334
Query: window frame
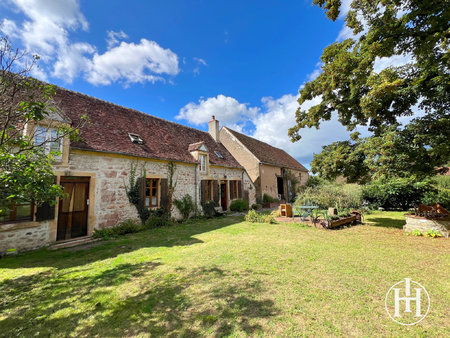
x,y
203,159
150,188
47,143
13,214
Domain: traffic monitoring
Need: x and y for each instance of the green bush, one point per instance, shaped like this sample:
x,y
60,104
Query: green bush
x,y
433,233
256,206
332,195
126,227
441,193
253,217
416,232
397,193
186,206
208,208
269,199
239,205
158,220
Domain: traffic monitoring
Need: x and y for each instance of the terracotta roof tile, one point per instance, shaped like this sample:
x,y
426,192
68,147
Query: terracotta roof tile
x,y
110,124
267,153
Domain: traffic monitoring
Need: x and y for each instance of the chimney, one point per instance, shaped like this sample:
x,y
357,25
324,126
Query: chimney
x,y
213,128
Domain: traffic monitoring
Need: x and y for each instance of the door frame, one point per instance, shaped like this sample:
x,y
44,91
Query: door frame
x,y
75,179
91,211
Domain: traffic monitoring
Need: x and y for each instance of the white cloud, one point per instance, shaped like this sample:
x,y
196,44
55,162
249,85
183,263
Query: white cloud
x,y
46,30
113,38
273,124
393,61
132,63
200,61
9,28
228,109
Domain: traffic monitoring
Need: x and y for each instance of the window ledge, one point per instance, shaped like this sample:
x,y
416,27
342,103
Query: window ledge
x,y
19,225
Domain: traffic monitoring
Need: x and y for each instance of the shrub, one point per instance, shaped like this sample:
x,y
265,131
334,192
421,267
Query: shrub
x,y
397,193
208,208
416,232
256,206
253,217
269,199
332,195
126,227
239,205
186,206
157,222
433,233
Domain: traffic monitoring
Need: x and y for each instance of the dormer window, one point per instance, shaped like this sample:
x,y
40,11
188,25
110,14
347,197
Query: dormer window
x,y
135,138
49,139
202,159
219,155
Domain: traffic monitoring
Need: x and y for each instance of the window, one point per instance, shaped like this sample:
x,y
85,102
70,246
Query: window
x,y
151,192
219,155
48,138
234,189
202,163
18,213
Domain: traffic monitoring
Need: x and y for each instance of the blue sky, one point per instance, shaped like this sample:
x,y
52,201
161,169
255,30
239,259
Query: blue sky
x,y
242,61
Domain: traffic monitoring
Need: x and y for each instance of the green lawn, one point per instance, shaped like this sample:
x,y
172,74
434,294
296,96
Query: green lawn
x,y
227,277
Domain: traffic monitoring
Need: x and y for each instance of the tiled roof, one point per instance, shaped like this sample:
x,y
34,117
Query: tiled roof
x,y
110,124
265,153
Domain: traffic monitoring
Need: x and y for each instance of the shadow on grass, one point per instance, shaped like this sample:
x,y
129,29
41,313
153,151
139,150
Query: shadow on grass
x,y
179,235
179,303
386,222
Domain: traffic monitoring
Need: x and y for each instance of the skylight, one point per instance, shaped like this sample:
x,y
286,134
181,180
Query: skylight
x,y
219,155
135,138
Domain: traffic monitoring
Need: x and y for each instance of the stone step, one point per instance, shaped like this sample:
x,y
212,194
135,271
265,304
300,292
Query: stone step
x,y
69,243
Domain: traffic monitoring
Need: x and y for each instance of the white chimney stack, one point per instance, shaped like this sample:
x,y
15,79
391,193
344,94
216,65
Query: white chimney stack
x,y
213,128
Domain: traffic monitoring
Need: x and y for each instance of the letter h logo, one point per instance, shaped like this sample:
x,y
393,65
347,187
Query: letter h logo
x,y
407,299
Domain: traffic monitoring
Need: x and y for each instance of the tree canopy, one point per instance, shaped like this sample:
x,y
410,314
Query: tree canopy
x,y
361,95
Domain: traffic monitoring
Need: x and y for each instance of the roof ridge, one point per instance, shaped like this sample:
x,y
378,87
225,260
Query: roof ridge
x,y
131,109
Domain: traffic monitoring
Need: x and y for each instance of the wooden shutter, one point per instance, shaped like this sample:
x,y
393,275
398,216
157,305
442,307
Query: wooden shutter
x,y
45,212
203,190
230,184
240,189
164,202
141,184
216,191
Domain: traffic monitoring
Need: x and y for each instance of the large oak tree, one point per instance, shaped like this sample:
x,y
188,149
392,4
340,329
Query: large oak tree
x,y
360,96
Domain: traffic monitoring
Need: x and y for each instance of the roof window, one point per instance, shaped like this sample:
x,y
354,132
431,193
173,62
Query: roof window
x,y
219,155
135,138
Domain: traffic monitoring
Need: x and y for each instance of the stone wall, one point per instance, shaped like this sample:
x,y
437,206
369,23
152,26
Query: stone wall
x,y
24,236
423,225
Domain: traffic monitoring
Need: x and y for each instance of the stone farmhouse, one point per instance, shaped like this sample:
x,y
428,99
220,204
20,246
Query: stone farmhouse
x,y
93,172
271,169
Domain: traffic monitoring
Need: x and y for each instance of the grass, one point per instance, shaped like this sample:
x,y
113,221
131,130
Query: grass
x,y
227,277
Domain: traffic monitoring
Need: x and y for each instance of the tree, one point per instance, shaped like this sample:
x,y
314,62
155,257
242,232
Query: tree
x,y
26,172
349,85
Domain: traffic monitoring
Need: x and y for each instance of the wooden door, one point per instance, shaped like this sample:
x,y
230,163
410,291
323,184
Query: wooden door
x,y
223,195
73,208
